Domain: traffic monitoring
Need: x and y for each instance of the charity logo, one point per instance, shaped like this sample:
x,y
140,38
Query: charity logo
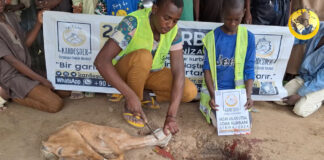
x,y
74,36
264,48
303,24
231,101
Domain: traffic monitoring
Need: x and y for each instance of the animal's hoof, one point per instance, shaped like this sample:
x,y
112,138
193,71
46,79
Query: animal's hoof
x,y
163,139
47,155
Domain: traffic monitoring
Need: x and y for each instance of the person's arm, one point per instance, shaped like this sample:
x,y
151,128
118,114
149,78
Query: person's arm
x,y
316,84
178,79
196,9
32,34
211,89
118,41
209,81
103,62
249,73
248,87
25,70
247,16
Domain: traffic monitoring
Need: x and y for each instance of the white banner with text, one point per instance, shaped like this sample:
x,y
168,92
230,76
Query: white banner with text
x,y
72,42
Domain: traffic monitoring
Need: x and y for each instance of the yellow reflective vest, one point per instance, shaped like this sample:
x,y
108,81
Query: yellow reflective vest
x,y
143,39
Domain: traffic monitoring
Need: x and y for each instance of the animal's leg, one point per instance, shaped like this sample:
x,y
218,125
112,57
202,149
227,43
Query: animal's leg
x,y
131,142
120,157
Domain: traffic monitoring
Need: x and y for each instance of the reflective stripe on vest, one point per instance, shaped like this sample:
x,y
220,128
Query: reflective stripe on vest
x,y
143,39
240,53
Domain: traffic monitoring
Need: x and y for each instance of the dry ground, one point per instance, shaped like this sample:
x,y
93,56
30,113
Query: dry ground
x,y
277,134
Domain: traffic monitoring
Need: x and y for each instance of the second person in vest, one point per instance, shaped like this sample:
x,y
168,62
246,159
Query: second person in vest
x,y
229,58
133,60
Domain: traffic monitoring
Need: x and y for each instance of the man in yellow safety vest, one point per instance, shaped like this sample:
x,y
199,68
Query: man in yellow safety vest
x,y
133,60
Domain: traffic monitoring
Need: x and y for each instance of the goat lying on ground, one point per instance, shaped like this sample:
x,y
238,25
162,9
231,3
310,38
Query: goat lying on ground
x,y
85,141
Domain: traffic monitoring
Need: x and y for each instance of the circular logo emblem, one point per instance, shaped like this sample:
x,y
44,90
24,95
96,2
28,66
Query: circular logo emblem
x,y
303,24
231,101
74,37
264,48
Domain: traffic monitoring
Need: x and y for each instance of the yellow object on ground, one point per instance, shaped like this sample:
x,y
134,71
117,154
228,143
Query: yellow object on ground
x,y
133,120
150,104
116,97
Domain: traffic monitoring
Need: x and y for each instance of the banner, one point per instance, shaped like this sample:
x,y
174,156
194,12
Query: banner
x,y
72,42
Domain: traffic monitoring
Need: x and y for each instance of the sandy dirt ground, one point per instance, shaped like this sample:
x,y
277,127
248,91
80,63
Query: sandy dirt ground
x,y
277,133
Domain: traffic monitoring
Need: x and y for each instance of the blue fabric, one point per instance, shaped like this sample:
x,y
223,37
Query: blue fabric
x,y
121,7
225,51
306,31
312,68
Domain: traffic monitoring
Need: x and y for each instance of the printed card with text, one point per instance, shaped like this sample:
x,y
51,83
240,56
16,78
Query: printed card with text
x,y
232,117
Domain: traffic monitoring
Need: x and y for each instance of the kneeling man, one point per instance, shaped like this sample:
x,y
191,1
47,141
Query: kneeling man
x,y
306,91
133,60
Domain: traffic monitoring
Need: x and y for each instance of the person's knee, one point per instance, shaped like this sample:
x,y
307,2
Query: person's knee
x,y
190,91
307,105
55,106
306,110
143,57
300,111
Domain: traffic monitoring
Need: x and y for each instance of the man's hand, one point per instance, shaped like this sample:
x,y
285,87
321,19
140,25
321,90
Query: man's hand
x,y
248,17
248,104
178,81
77,9
134,105
40,16
291,100
171,125
212,104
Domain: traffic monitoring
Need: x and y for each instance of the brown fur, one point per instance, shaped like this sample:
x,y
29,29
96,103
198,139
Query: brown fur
x,y
85,141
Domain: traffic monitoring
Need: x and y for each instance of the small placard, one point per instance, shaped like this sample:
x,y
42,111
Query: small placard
x,y
232,117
